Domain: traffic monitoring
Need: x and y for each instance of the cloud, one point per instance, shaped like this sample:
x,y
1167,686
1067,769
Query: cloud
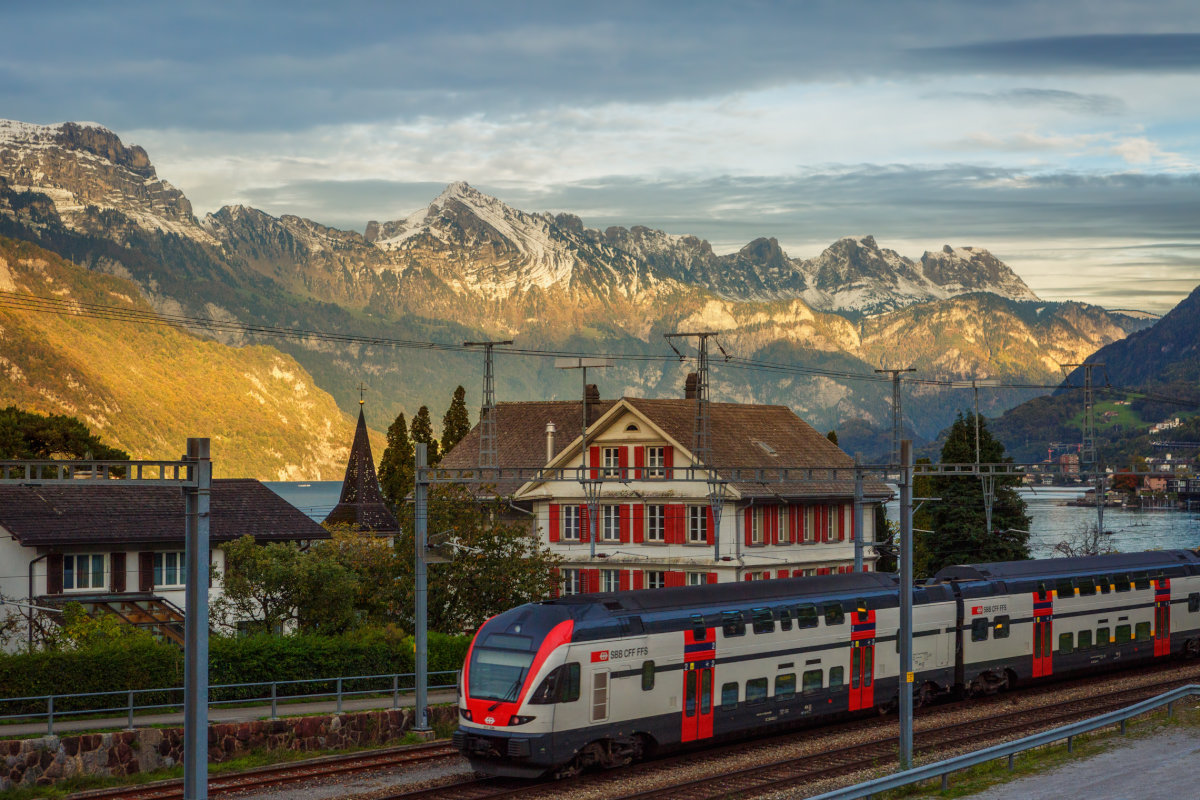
x,y
1026,97
1112,52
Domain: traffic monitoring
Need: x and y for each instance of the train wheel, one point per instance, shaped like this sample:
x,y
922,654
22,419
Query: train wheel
x,y
1191,649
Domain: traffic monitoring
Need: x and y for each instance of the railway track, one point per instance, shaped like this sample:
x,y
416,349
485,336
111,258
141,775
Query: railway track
x,y
279,774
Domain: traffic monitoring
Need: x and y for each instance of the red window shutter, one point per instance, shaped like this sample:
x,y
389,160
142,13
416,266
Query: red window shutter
x,y
712,577
594,461
783,573
675,578
585,527
824,526
117,579
852,526
639,461
639,580
823,571
749,526
146,572
680,524
639,524
624,580
593,580
798,527
623,462
54,573
771,518
669,460
749,576
797,573
841,510
555,524
711,528
625,512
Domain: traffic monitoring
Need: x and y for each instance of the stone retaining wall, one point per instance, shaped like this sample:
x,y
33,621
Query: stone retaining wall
x,y
50,759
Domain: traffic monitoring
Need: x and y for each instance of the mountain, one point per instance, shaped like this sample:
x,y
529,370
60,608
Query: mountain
x,y
146,388
469,266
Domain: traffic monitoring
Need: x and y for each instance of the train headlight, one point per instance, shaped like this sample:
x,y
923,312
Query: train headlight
x,y
465,713
515,720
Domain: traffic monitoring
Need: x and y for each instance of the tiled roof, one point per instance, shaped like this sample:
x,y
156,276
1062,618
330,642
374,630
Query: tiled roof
x,y
744,437
361,503
57,516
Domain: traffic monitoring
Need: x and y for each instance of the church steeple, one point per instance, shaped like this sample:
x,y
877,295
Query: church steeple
x,y
361,503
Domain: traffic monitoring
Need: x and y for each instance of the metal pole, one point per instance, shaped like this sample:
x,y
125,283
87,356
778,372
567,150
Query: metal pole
x,y
1100,492
858,516
421,534
195,649
906,595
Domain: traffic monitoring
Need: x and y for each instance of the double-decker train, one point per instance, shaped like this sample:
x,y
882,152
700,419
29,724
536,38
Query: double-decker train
x,y
605,679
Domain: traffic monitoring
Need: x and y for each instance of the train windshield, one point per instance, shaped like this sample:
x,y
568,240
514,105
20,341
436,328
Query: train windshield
x,y
498,674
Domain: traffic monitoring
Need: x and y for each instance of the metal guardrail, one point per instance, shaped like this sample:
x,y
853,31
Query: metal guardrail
x,y
944,769
394,684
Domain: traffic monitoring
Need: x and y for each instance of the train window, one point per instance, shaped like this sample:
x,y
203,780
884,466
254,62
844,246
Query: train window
x,y
1105,584
834,614
785,619
560,686
764,620
1141,581
1194,602
1066,643
647,675
1085,640
1121,581
979,629
732,623
837,677
689,693
699,629
806,617
1086,586
1103,638
1064,588
812,681
785,686
861,610
705,691
1041,591
1142,631
756,690
1123,634
1001,627
729,695
855,666
868,660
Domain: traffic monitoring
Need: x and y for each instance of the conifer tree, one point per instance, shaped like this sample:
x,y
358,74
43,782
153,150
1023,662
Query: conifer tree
x,y
832,436
422,431
457,422
396,467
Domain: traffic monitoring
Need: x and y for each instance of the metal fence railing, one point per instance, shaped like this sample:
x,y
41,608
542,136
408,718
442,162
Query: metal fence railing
x,y
1067,733
129,703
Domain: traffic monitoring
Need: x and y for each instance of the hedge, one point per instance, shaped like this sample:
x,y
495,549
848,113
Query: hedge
x,y
149,664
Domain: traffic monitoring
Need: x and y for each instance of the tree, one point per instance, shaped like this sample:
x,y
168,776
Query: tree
x,y
396,467
457,422
422,431
957,518
1085,541
25,434
375,564
494,564
832,436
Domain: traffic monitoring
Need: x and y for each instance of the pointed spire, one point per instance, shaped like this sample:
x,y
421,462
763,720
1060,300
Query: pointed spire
x,y
361,503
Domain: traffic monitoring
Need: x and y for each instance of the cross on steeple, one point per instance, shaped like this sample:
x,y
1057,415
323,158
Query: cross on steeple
x,y
361,389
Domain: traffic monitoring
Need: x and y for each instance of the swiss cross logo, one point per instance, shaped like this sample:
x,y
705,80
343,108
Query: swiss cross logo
x,y
976,609
599,655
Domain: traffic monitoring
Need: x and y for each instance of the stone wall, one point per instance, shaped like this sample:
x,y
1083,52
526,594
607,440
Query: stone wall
x,y
50,759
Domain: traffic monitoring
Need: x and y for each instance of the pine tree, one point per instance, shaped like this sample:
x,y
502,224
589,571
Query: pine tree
x,y
832,436
958,519
396,467
422,431
457,422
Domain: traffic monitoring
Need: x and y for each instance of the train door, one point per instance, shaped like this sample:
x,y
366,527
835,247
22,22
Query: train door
x,y
700,652
1043,633
862,659
1162,617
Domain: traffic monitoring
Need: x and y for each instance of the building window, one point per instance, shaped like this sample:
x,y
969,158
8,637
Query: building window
x,y
570,522
610,580
656,579
696,579
655,523
835,523
810,524
756,526
697,524
611,461
655,466
570,581
83,571
610,517
785,525
169,569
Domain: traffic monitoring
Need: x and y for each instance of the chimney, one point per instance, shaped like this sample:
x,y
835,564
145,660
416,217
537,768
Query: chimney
x,y
591,398
691,387
550,429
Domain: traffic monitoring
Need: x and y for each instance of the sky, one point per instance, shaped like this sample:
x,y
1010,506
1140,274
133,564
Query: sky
x,y
1063,136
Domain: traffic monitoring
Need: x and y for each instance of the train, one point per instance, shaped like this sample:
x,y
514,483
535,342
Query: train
x,y
601,680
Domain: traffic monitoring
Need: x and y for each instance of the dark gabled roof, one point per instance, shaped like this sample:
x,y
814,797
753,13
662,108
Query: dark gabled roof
x,y
744,436
361,504
121,513
1065,567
